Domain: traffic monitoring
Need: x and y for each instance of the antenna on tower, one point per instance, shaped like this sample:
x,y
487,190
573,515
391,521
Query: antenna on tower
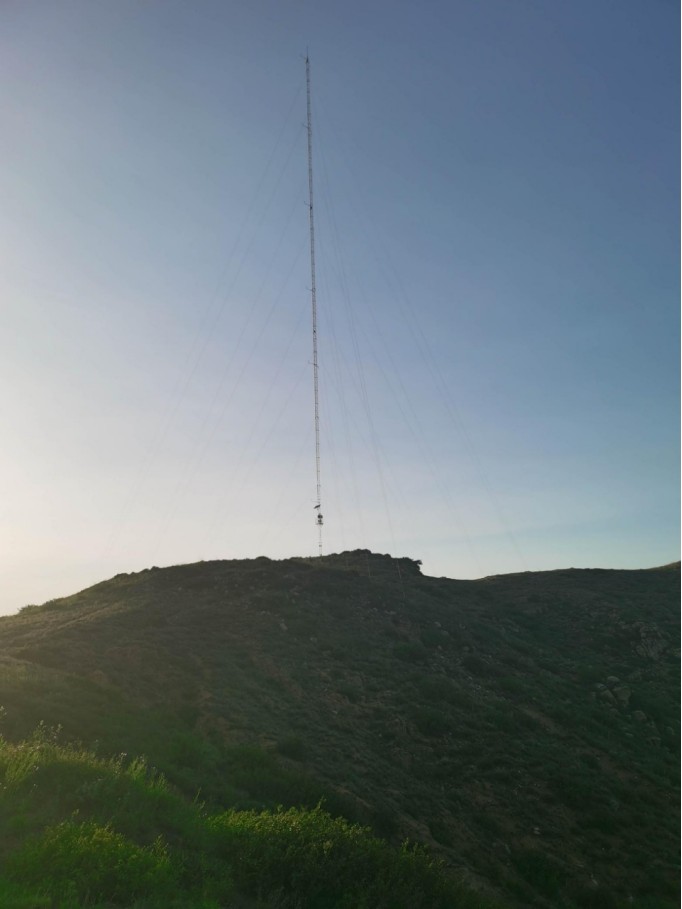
x,y
313,295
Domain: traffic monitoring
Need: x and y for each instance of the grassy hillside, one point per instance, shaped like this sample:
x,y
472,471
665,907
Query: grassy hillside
x,y
525,727
79,830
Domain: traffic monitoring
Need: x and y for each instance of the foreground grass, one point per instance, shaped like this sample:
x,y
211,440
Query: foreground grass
x,y
81,831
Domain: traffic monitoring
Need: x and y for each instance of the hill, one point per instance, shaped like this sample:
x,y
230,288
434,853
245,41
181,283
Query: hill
x,y
524,727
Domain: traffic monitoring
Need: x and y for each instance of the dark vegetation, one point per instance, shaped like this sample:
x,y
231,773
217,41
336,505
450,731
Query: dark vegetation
x,y
524,728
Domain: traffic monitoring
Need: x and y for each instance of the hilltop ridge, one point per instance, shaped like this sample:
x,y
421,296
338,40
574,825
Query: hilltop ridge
x,y
524,726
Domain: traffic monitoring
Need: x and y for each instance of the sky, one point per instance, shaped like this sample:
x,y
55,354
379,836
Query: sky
x,y
497,239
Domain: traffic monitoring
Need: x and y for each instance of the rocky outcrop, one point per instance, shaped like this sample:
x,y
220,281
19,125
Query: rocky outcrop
x,y
615,693
650,641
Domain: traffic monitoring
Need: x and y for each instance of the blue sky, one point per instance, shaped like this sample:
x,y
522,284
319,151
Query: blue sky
x,y
496,192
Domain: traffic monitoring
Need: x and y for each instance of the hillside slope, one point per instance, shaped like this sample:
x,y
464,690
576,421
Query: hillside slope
x,y
524,726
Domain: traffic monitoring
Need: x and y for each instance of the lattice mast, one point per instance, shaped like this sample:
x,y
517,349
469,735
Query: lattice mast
x,y
313,297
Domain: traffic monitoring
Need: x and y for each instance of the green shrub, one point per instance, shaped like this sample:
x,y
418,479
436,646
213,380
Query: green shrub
x,y
264,783
309,859
90,862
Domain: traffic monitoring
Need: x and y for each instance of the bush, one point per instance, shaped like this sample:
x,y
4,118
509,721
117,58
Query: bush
x,y
89,861
310,859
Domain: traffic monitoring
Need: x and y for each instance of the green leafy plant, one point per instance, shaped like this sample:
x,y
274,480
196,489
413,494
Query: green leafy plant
x,y
311,859
91,861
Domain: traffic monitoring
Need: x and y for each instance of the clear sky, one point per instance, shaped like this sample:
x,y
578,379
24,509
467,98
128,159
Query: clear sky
x,y
497,225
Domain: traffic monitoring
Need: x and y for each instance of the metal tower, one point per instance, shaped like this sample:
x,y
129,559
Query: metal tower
x,y
313,296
